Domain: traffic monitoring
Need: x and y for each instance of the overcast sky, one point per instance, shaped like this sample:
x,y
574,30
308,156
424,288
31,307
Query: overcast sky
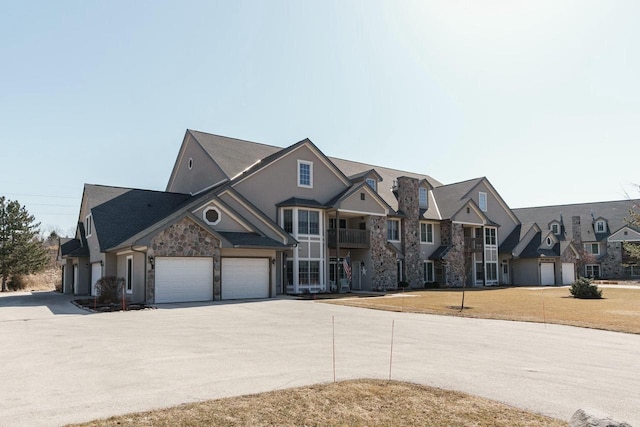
x,y
541,97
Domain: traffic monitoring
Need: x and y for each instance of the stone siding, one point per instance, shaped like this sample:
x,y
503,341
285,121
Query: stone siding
x,y
456,262
611,263
408,203
382,258
184,239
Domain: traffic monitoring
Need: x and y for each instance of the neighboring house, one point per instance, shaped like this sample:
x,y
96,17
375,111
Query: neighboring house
x,y
592,236
241,219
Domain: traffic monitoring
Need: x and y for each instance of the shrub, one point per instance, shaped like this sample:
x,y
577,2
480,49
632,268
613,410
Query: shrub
x,y
109,289
431,285
583,288
403,284
18,282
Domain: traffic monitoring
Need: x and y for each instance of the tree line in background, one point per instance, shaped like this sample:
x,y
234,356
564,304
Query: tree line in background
x,y
21,249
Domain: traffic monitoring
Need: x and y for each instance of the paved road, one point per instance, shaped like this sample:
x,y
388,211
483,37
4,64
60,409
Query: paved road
x,y
61,365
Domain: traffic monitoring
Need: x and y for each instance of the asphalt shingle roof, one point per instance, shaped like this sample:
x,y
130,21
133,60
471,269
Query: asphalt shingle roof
x,y
119,213
250,240
235,156
613,212
450,198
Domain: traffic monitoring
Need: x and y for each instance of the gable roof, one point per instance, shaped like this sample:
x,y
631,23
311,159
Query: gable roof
x,y
119,213
614,212
451,197
235,156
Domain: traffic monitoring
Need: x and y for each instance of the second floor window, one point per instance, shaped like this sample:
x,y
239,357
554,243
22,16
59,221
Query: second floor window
x,y
422,197
482,201
308,222
592,248
600,227
426,233
305,174
393,230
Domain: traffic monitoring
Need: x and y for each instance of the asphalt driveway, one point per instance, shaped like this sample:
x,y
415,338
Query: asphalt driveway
x,y
61,365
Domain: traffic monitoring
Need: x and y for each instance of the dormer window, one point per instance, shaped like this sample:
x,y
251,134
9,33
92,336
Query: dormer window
x,y
600,226
422,197
482,201
555,228
305,174
372,183
548,241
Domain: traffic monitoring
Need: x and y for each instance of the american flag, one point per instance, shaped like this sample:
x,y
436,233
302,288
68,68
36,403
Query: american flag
x,y
346,264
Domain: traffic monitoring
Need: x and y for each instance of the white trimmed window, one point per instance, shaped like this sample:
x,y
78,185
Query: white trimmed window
x,y
393,230
600,227
372,183
592,248
88,225
592,270
211,216
129,275
305,174
422,197
482,201
426,232
555,228
427,271
308,222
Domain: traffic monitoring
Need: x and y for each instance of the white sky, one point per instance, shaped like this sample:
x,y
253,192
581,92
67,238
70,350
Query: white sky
x,y
541,97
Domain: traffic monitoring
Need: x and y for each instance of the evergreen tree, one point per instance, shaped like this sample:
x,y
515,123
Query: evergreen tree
x,y
21,252
633,249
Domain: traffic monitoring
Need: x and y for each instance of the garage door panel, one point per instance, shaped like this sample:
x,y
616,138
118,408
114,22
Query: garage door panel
x,y
183,279
244,278
568,273
547,274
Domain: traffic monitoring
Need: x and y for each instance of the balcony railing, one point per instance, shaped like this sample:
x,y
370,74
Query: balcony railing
x,y
349,238
473,244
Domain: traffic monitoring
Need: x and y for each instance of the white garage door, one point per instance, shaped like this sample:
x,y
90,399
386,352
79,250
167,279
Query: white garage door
x,y
568,273
96,274
184,279
245,278
547,276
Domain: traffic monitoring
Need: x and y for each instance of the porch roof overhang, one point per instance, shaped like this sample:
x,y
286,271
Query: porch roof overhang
x,y
440,253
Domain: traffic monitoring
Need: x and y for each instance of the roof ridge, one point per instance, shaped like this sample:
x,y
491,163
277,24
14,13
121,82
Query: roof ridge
x,y
578,204
116,187
235,139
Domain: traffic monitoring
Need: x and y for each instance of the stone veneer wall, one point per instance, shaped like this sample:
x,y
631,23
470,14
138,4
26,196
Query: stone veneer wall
x,y
445,232
610,265
382,258
456,263
408,203
184,238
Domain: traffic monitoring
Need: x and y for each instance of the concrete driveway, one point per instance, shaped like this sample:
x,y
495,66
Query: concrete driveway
x,y
62,365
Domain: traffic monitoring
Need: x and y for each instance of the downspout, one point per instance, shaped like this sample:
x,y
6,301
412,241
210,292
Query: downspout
x,y
484,261
337,275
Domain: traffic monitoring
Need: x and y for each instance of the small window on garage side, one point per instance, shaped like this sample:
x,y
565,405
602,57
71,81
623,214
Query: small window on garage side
x,y
211,216
129,277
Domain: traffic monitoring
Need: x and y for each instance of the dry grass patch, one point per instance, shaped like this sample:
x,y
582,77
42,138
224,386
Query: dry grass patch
x,y
349,403
619,310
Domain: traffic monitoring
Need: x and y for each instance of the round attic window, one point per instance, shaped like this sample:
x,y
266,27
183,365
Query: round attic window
x,y
190,163
212,216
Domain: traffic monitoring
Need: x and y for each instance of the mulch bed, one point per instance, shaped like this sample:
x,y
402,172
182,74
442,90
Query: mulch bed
x,y
90,304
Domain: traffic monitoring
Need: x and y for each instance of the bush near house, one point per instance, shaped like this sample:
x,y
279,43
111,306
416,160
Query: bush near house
x,y
403,284
109,289
585,289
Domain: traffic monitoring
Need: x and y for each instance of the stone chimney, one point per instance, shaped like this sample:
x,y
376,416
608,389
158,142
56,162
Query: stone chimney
x,y
576,230
408,203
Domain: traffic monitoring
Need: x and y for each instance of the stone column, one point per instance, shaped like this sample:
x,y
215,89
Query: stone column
x,y
408,203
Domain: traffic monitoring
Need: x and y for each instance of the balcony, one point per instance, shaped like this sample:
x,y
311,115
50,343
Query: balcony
x,y
348,238
473,244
